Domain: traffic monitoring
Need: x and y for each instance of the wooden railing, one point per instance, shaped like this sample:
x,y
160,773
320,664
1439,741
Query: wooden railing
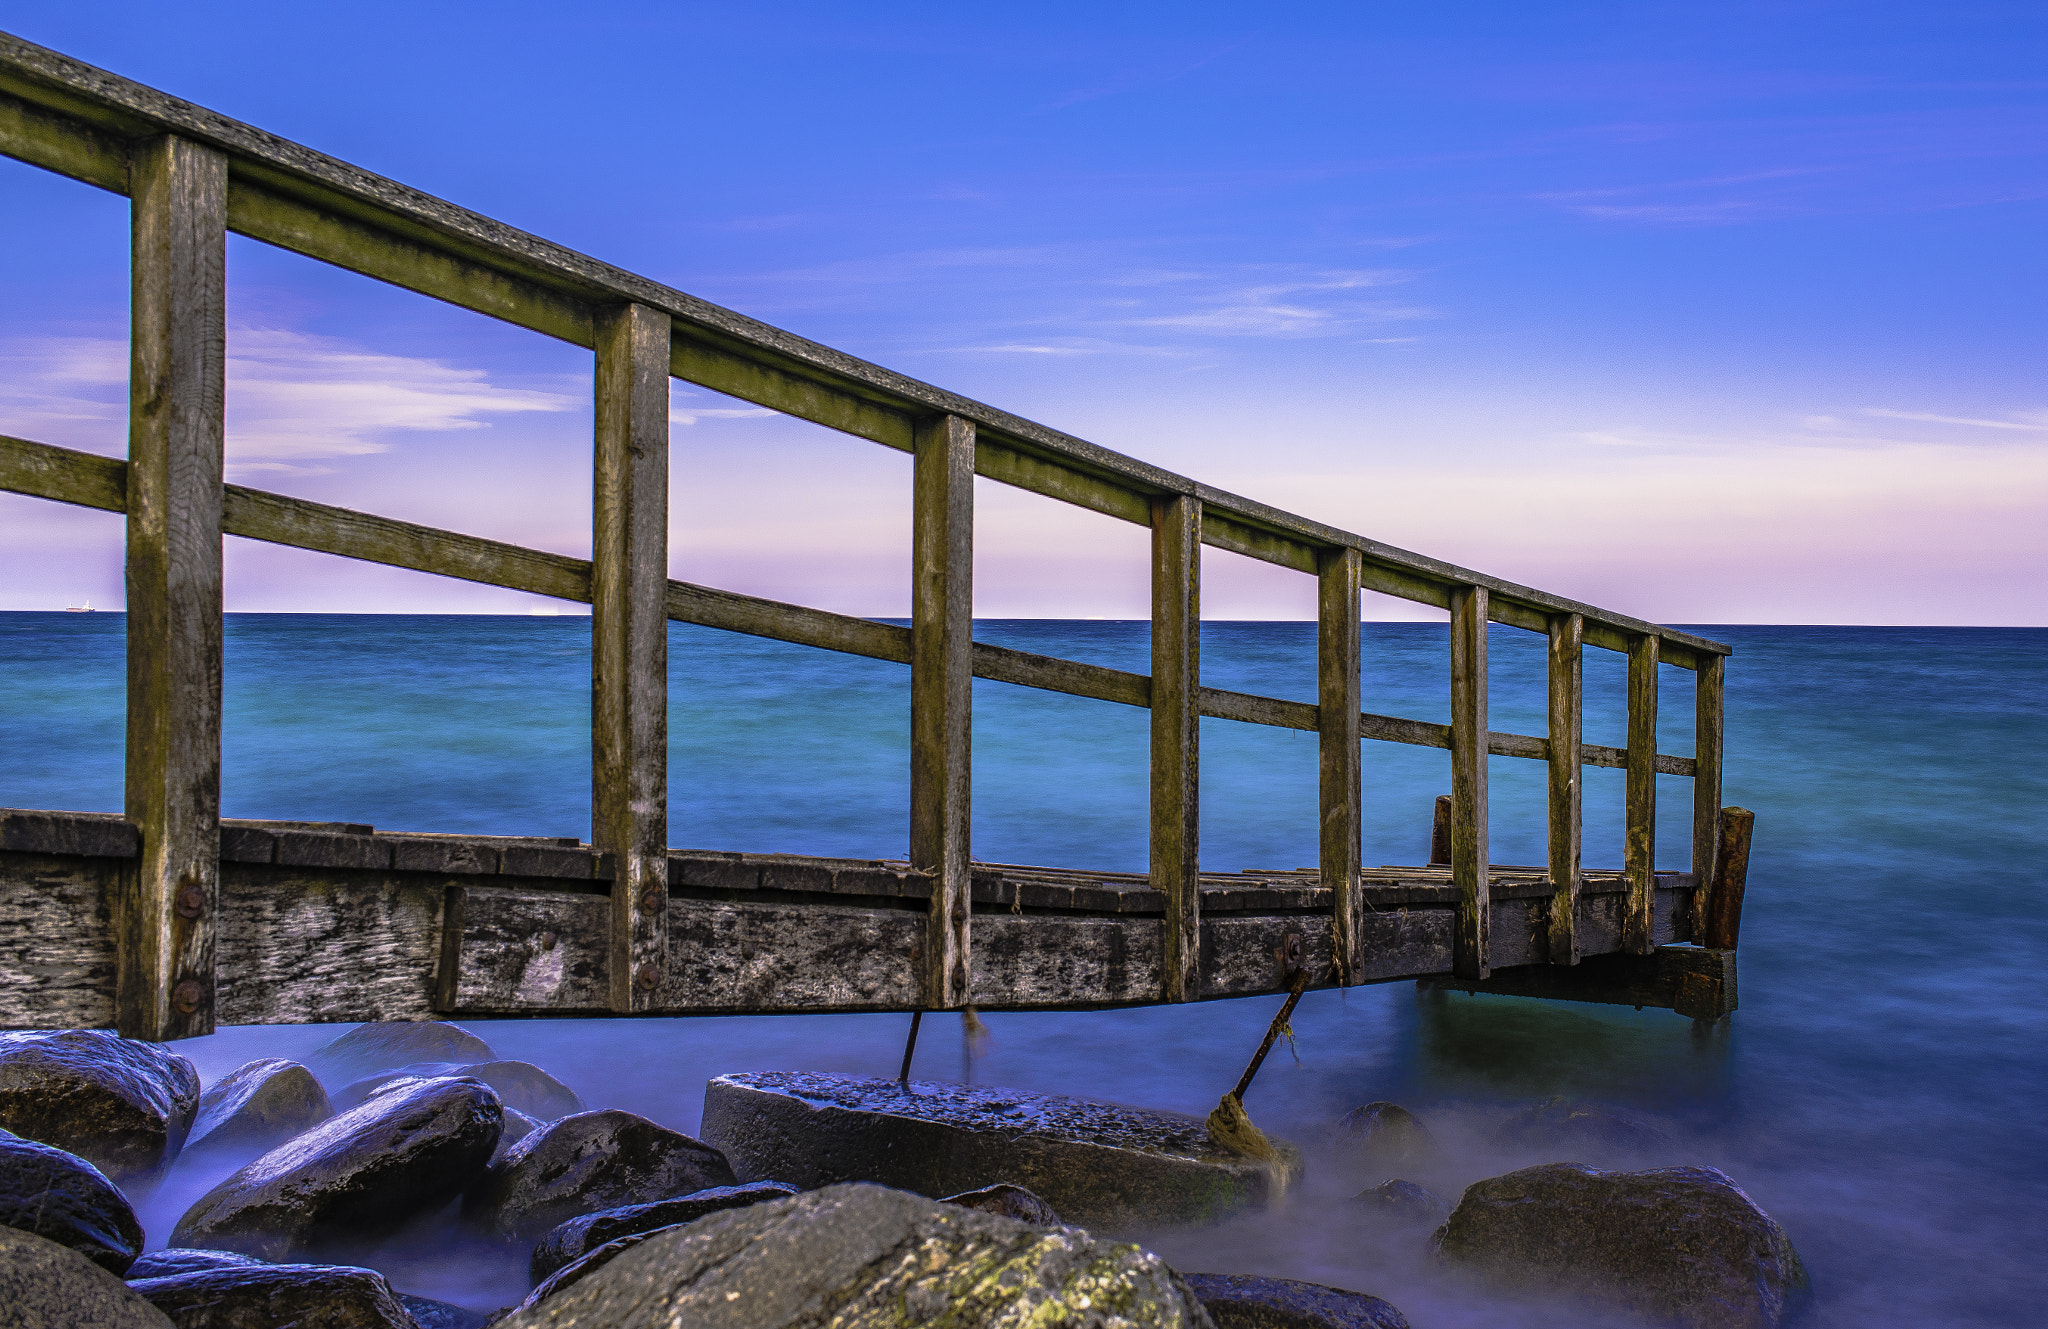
x,y
193,176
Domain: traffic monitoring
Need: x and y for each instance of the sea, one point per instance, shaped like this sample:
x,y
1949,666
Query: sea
x,y
1882,1092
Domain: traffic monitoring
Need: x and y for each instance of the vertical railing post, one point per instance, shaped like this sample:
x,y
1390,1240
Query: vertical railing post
x,y
1176,737
1567,693
629,645
1339,572
1468,782
1706,784
164,918
942,696
1639,843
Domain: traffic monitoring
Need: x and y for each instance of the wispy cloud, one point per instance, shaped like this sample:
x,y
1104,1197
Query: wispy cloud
x,y
2035,422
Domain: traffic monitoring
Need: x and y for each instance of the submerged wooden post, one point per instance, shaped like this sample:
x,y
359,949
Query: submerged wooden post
x,y
1731,875
1639,842
629,645
1706,782
163,923
1468,782
942,695
1176,736
1337,741
1567,694
1440,831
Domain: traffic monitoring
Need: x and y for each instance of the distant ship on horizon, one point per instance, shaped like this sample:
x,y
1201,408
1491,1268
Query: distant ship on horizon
x,y
85,608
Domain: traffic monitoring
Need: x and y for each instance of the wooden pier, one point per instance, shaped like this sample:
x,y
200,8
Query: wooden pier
x,y
165,920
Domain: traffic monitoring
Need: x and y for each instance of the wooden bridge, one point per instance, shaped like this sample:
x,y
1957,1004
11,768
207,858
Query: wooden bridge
x,y
165,919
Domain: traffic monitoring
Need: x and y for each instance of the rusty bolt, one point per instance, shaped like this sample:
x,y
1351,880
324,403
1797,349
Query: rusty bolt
x,y
547,941
186,997
191,902
652,899
647,977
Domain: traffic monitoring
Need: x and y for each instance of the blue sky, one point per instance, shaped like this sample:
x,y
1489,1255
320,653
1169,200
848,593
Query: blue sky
x,y
1704,313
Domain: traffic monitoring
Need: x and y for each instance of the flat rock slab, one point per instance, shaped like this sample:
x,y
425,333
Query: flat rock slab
x,y
1096,1164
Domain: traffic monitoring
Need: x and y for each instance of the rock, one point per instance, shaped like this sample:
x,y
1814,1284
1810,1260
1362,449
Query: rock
x,y
174,1260
1239,1301
121,1105
1009,1201
47,1286
388,1045
569,1242
257,1106
589,1263
1403,1203
62,1198
517,1127
1384,1136
353,1177
876,1257
521,1086
1568,1127
1095,1163
287,1296
1678,1244
584,1163
430,1314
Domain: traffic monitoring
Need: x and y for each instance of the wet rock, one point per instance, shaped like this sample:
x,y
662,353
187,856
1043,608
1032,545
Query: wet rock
x,y
1384,1136
1009,1201
877,1257
174,1260
290,1296
569,1242
1403,1204
585,1163
121,1105
391,1044
62,1198
1568,1127
1095,1163
589,1263
1681,1244
430,1314
521,1086
517,1127
257,1106
1239,1301
47,1286
354,1177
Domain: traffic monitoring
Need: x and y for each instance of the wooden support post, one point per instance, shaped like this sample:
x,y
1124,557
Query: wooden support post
x,y
164,929
1731,875
1639,843
1337,739
1706,783
1176,736
1567,693
629,645
1468,782
942,695
1440,832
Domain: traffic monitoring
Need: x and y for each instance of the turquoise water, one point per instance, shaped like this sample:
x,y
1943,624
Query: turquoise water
x,y
1880,1091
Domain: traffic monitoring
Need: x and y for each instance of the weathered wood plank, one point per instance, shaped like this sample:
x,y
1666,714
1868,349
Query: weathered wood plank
x,y
1176,738
1708,687
165,922
1337,751
1694,982
1639,837
1723,912
316,945
763,957
1567,691
942,695
1022,961
57,967
629,644
1469,859
1440,831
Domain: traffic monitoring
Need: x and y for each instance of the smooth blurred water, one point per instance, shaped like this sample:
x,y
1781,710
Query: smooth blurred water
x,y
1880,1090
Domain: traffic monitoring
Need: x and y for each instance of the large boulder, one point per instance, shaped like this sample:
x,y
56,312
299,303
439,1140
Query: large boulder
x,y
391,1044
61,1197
174,1260
1681,1245
1563,1126
258,1105
521,1085
284,1296
1384,1137
517,1127
584,1163
47,1286
1098,1164
430,1314
569,1242
354,1177
869,1257
122,1105
1239,1301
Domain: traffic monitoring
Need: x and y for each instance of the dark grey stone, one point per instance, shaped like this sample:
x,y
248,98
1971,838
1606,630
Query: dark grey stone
x,y
430,1314
1567,1127
174,1260
1682,1245
517,1127
62,1198
874,1257
1403,1203
123,1106
1386,1137
1239,1301
390,1044
569,1242
284,1296
47,1286
1097,1164
1009,1201
354,1177
585,1163
257,1106
522,1086
589,1263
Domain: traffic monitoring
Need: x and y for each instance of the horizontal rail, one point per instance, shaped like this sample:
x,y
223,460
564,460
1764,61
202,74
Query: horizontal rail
x,y
82,122
42,470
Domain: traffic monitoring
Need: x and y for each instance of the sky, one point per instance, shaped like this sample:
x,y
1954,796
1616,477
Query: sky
x,y
1703,314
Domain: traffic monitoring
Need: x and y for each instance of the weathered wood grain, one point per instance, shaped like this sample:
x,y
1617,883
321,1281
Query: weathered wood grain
x,y
767,957
317,945
1639,836
1694,982
1708,688
57,965
942,696
1723,913
1176,737
522,951
1567,691
1023,962
1337,750
1469,859
1440,830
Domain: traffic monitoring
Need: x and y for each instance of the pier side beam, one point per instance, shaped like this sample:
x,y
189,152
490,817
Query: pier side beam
x,y
629,645
1567,693
163,918
1468,781
1176,736
942,696
1639,839
1706,782
1337,737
